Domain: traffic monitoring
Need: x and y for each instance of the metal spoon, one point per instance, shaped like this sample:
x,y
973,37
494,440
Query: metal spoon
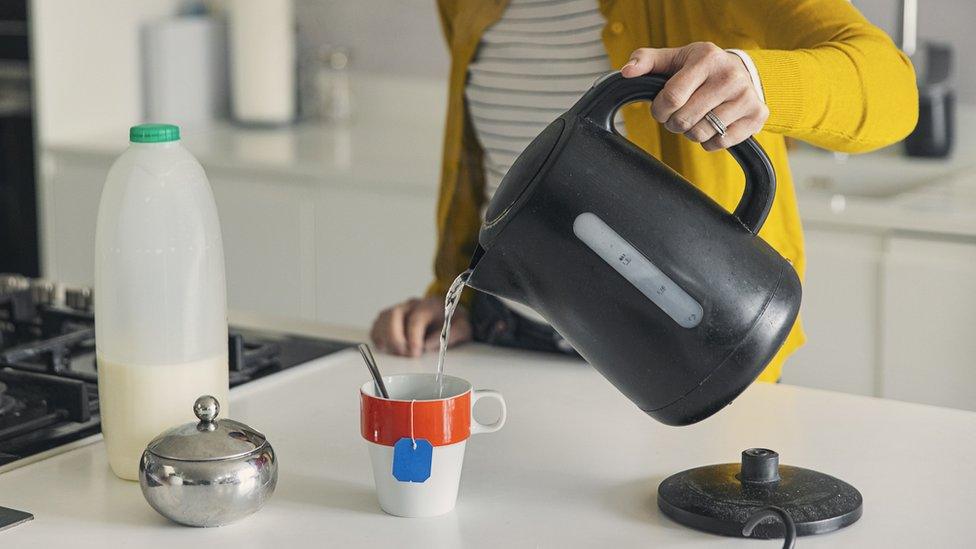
x,y
373,369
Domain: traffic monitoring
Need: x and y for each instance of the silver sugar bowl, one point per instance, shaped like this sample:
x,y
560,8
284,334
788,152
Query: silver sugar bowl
x,y
209,473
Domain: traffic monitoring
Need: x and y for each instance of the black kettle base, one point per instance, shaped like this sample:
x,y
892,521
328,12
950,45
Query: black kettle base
x,y
721,498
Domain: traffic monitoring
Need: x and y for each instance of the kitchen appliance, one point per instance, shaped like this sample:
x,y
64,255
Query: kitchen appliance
x,y
934,133
209,472
48,376
722,498
679,303
263,73
184,70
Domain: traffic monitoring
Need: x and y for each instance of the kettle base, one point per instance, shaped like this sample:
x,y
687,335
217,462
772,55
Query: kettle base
x,y
721,498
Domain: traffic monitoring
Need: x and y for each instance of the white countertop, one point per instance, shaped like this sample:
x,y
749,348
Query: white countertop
x,y
887,191
577,465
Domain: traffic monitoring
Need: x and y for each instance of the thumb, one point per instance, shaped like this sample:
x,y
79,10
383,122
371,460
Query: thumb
x,y
650,61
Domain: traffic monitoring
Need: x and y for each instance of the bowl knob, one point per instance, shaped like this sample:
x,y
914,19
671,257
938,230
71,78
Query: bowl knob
x,y
206,408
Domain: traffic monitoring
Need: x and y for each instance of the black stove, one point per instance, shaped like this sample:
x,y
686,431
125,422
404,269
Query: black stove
x,y
48,375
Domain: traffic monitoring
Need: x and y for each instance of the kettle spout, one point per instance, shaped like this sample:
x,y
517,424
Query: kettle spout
x,y
489,273
479,252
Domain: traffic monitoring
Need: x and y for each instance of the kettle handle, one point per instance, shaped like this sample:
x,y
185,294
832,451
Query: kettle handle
x,y
604,99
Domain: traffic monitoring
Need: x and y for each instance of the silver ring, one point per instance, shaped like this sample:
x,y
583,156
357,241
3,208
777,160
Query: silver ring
x,y
716,123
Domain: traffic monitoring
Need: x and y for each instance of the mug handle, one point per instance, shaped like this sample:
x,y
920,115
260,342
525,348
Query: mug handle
x,y
477,427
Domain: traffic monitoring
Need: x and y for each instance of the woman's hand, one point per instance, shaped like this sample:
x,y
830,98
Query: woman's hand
x,y
414,326
704,78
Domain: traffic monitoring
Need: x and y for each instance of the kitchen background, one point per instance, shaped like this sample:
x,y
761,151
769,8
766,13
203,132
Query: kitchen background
x,y
332,219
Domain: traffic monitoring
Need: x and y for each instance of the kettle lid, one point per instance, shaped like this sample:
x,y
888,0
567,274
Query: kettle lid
x,y
522,173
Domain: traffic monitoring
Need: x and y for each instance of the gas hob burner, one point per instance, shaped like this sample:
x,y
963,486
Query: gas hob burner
x,y
723,498
8,404
48,371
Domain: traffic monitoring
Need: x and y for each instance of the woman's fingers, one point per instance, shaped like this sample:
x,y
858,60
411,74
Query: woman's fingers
x,y
736,133
433,341
729,113
396,339
375,335
692,66
704,78
388,330
678,92
650,60
461,331
717,90
412,327
418,319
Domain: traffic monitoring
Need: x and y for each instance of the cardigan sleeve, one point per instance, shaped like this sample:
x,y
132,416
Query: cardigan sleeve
x,y
445,10
830,77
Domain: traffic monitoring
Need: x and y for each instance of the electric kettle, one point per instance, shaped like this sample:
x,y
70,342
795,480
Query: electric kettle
x,y
677,302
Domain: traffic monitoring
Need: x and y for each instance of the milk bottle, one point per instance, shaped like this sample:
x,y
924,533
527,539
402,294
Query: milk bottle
x,y
160,296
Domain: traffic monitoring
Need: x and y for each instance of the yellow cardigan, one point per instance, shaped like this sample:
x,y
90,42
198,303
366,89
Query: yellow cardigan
x,y
830,78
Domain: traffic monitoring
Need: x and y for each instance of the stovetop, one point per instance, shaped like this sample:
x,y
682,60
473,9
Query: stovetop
x,y
48,375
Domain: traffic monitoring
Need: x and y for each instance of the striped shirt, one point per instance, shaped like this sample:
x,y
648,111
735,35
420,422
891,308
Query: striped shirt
x,y
532,65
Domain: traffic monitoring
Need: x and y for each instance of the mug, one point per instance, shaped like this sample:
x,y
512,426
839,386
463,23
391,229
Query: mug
x,y
416,439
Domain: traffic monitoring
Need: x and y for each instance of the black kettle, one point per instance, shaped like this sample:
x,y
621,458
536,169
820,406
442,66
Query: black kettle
x,y
674,300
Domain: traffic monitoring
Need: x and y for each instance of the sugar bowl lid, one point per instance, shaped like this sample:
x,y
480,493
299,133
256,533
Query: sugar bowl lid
x,y
209,439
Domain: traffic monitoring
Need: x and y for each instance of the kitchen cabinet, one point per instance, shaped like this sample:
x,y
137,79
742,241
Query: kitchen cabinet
x,y
375,248
928,351
70,188
268,248
839,311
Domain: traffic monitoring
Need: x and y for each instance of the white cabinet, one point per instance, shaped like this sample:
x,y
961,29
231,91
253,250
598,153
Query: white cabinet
x,y
71,187
267,228
928,346
840,312
375,247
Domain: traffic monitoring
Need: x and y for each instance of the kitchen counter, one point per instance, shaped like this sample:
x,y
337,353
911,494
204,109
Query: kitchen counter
x,y
577,465
392,141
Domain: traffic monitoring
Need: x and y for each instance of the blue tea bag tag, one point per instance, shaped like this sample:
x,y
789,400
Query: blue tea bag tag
x,y
411,460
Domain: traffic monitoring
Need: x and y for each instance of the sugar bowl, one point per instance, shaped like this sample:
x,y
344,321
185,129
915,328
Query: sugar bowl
x,y
208,473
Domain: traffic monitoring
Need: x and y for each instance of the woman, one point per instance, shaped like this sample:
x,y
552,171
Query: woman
x,y
814,70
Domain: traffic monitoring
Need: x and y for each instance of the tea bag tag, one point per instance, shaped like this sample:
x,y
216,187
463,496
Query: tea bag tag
x,y
412,459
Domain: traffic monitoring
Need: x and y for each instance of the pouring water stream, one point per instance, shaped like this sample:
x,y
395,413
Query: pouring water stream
x,y
450,305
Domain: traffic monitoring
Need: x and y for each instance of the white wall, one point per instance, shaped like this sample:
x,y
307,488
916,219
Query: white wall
x,y
393,36
86,64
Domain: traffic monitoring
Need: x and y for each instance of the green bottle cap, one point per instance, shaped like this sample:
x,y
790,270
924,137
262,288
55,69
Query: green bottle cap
x,y
154,133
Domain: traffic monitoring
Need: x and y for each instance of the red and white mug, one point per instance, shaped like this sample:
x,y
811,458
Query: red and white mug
x,y
416,439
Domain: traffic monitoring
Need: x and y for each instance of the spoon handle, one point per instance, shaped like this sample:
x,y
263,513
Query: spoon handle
x,y
373,369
